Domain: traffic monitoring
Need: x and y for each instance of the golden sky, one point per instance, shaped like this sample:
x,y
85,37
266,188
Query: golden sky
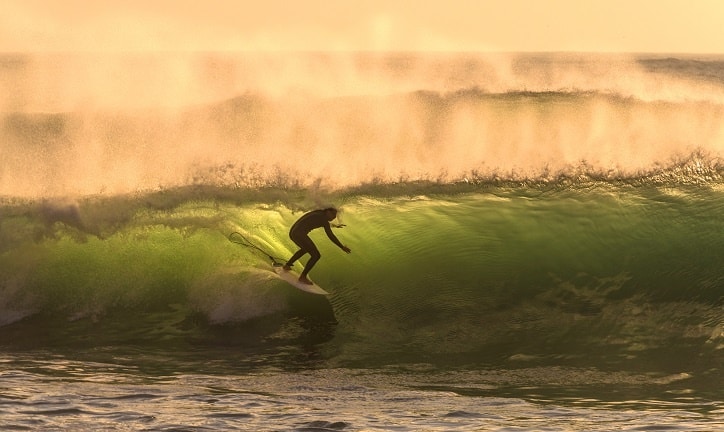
x,y
389,25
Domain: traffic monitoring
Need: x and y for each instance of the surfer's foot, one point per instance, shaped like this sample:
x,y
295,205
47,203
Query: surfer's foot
x,y
287,267
304,280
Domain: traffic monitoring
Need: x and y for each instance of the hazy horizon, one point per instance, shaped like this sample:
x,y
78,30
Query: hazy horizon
x,y
644,26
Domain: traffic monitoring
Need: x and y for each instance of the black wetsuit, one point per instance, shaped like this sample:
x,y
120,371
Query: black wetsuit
x,y
299,233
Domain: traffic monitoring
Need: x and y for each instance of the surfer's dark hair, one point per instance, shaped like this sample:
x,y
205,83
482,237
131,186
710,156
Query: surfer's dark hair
x,y
332,209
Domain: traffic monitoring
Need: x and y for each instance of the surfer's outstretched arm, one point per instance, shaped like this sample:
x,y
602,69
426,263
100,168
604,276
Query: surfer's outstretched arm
x,y
335,240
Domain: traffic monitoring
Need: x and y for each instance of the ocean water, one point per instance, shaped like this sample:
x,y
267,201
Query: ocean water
x,y
537,242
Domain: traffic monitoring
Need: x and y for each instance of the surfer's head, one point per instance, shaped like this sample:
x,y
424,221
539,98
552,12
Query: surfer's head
x,y
331,213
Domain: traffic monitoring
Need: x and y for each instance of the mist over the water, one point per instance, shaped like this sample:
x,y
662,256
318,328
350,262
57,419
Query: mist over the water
x,y
83,124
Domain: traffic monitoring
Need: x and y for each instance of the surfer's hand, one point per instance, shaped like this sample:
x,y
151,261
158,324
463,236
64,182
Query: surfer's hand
x,y
339,225
346,249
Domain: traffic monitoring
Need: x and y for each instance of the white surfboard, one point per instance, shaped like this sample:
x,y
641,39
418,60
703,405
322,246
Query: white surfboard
x,y
293,280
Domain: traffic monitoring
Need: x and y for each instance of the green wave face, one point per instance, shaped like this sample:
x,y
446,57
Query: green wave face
x,y
500,273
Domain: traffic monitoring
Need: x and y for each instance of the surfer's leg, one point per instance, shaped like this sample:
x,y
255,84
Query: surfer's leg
x,y
302,241
314,256
306,245
298,254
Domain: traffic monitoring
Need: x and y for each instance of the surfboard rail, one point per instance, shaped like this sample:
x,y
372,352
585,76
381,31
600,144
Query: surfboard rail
x,y
293,279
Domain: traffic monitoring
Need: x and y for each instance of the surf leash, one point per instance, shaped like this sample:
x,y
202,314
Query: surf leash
x,y
237,238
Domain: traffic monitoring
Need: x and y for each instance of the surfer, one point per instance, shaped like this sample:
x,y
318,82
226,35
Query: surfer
x,y
299,233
